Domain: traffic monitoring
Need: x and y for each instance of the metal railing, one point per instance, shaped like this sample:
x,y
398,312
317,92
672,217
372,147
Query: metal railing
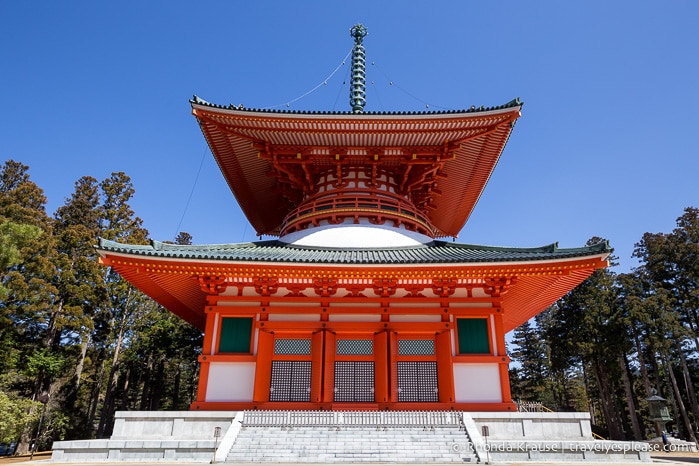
x,y
339,419
532,407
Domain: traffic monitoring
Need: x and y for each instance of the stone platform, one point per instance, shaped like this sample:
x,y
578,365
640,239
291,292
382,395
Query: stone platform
x,y
424,437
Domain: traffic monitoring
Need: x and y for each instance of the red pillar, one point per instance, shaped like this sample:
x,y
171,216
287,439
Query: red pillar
x,y
211,325
445,368
317,366
381,368
503,365
328,394
263,366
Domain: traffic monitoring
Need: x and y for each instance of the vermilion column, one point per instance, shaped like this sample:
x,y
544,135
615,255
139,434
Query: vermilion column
x,y
263,366
209,330
503,365
445,368
317,350
381,368
392,338
328,394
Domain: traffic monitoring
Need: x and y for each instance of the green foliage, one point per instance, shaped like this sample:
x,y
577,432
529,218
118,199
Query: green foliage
x,y
530,352
15,414
42,361
13,238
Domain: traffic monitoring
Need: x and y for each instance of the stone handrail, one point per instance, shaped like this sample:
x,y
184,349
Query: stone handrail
x,y
352,419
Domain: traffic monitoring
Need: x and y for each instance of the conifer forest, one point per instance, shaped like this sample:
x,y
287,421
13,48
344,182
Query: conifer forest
x,y
78,343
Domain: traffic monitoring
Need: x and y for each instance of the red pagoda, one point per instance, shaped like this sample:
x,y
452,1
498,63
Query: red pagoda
x,y
358,303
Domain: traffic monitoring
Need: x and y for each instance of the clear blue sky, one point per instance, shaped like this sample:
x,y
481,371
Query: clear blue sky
x,y
607,144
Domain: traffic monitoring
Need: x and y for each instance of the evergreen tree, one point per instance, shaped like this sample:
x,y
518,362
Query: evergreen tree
x,y
529,352
161,363
29,294
125,303
671,269
587,330
82,292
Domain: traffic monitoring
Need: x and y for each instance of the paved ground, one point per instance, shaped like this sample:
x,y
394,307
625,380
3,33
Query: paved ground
x,y
677,457
42,458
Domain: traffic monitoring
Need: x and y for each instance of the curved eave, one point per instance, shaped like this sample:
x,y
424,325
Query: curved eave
x,y
475,139
531,294
178,293
173,281
278,252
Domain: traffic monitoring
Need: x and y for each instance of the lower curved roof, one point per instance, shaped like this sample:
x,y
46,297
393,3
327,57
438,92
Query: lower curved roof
x,y
171,274
275,251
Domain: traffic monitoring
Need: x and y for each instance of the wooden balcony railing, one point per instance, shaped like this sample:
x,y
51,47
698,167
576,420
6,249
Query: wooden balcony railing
x,y
336,208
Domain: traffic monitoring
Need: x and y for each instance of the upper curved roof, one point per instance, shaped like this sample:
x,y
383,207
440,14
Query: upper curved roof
x,y
463,146
473,109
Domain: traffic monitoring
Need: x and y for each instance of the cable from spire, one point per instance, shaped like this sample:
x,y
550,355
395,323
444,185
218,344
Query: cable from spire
x,y
320,84
358,73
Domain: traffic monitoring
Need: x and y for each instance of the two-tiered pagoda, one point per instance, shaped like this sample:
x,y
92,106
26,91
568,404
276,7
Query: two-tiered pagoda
x,y
358,304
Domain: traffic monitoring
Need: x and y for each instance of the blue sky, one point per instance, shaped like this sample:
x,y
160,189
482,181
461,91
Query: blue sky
x,y
607,144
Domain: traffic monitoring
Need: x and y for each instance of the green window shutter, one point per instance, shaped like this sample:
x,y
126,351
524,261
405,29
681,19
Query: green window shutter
x,y
236,333
473,336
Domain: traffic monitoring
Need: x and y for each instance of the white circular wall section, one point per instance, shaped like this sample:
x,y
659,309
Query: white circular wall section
x,y
355,236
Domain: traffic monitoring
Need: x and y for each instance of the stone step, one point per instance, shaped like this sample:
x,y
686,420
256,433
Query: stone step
x,y
350,444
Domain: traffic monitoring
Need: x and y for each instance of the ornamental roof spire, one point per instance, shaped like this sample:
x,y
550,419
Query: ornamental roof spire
x,y
358,73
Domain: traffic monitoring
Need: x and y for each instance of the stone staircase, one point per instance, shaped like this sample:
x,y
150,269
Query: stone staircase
x,y
427,437
351,444
350,437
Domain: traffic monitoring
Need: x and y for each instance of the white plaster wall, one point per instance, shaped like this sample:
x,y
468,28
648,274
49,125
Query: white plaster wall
x,y
354,318
230,381
469,305
493,335
283,291
355,236
399,306
477,383
352,304
415,318
214,336
294,317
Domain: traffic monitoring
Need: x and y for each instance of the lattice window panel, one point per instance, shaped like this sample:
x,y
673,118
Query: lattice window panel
x,y
354,381
355,347
417,381
292,346
416,347
291,381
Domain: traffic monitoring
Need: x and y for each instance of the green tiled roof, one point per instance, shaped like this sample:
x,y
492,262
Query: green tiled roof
x,y
473,109
435,252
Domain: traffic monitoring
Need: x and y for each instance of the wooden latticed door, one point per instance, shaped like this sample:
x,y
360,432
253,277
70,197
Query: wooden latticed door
x,y
354,370
291,370
415,375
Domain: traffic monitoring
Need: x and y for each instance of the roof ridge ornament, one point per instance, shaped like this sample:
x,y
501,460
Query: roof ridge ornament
x,y
358,72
